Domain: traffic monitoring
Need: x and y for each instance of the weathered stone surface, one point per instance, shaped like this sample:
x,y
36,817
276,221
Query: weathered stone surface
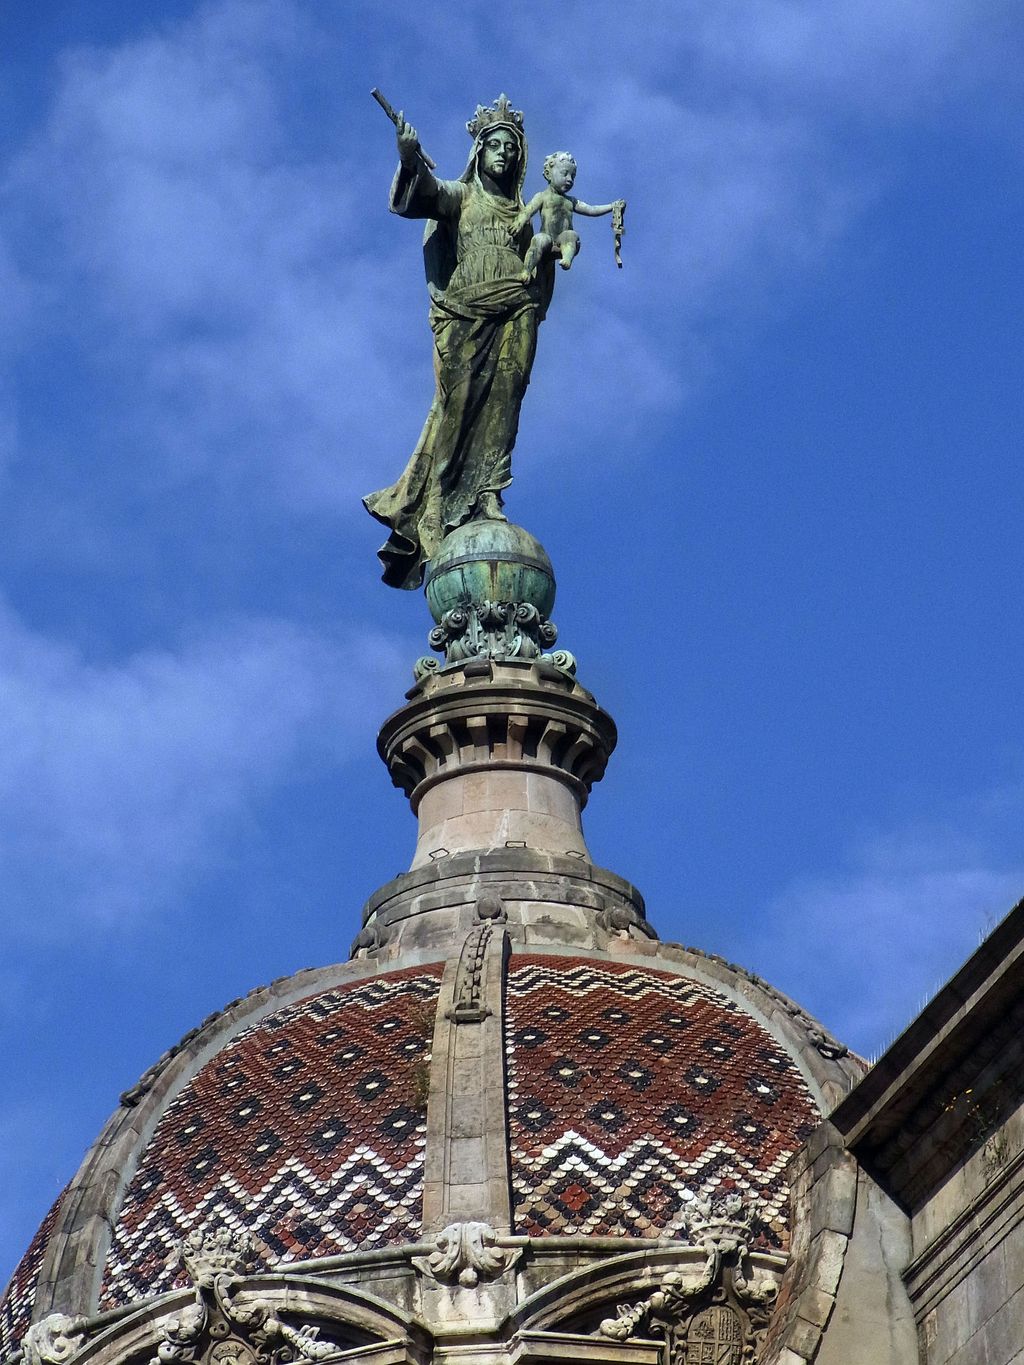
x,y
939,1122
873,1323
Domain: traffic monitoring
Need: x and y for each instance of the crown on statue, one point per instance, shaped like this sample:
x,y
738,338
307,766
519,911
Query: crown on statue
x,y
499,114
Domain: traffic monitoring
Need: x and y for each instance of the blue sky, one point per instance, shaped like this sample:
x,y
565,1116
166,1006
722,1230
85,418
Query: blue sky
x,y
775,459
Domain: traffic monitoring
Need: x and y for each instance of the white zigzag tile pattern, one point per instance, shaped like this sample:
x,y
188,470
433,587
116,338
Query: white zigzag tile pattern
x,y
291,1197
307,1129
625,1181
634,1091
584,976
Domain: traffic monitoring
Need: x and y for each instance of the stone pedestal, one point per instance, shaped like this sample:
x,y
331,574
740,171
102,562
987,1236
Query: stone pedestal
x,y
498,754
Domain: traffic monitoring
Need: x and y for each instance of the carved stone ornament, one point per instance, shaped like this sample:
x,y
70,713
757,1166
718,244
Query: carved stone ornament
x,y
617,920
223,1326
467,1002
719,1315
370,940
490,907
465,1254
54,1341
493,630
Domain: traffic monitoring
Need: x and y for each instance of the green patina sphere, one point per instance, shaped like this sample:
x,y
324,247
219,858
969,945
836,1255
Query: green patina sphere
x,y
489,561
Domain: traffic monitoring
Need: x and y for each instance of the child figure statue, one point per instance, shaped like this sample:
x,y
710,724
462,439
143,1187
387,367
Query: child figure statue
x,y
556,207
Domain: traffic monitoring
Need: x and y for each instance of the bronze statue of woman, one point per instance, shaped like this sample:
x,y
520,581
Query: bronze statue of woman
x,y
484,316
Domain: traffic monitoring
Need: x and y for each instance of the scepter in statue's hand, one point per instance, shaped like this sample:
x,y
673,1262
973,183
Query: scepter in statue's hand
x,y
618,228
408,143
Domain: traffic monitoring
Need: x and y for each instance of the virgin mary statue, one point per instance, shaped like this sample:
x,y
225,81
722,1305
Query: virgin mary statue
x,y
484,318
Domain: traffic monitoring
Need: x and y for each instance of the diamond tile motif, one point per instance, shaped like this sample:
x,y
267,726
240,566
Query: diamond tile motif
x,y
643,1091
308,1129
18,1297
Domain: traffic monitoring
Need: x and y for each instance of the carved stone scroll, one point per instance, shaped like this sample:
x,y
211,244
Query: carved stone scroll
x,y
55,1340
466,1253
224,1326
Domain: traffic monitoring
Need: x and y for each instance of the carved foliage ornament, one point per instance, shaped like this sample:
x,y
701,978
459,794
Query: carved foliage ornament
x,y
223,1327
54,1341
718,1316
465,1254
493,630
220,1327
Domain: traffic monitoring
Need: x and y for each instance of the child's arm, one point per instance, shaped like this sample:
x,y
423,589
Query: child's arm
x,y
528,211
595,210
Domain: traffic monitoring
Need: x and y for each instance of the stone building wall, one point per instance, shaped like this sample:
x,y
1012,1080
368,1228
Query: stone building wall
x,y
967,1276
938,1125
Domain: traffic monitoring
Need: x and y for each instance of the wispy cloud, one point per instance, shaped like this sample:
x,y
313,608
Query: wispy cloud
x,y
204,262
867,946
120,784
877,57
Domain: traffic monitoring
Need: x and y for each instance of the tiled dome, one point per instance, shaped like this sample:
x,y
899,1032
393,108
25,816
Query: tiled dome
x,y
19,1296
307,1129
511,1081
633,1087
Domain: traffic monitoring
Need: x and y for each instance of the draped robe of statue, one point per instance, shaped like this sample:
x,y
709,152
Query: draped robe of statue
x,y
484,319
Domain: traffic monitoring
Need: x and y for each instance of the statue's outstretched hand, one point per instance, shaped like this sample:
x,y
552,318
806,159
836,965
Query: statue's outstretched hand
x,y
408,141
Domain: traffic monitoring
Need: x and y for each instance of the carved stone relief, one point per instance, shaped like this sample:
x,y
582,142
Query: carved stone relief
x,y
465,1254
718,1316
223,1326
467,1005
58,1338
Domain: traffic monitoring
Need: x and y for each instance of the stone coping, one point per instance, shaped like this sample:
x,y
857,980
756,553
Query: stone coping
x,y
939,1056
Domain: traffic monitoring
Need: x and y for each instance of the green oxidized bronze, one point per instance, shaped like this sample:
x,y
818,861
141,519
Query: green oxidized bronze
x,y
490,589
487,298
490,561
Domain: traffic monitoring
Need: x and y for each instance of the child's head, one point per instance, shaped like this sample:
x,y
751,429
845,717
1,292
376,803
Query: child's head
x,y
560,171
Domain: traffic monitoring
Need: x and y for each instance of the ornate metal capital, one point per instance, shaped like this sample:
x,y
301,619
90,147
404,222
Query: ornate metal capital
x,y
493,630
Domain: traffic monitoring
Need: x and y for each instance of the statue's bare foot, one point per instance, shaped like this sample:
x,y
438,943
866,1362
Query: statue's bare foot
x,y
489,507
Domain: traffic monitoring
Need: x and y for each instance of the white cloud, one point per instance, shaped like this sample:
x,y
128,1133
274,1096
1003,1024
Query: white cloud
x,y
120,782
866,947
201,260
